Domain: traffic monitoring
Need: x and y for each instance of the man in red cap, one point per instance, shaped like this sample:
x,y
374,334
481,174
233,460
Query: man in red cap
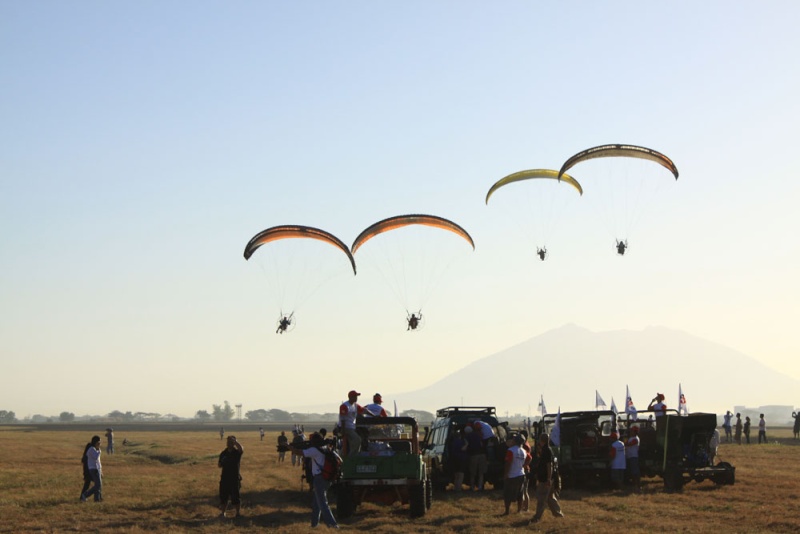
x,y
375,409
348,412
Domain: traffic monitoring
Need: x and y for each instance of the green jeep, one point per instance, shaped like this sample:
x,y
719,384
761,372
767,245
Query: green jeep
x,y
387,469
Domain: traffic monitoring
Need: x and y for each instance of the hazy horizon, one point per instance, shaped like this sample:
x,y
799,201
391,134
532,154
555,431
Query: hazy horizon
x,y
143,145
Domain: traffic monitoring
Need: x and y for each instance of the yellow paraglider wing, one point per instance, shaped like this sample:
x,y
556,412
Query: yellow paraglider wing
x,y
531,174
399,221
625,151
289,231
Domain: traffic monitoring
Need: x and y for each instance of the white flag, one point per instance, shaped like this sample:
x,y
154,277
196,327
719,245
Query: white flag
x,y
683,409
630,409
598,400
614,407
555,434
542,408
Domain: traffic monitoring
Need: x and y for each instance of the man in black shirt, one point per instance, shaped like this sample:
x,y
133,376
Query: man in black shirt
x,y
230,481
544,480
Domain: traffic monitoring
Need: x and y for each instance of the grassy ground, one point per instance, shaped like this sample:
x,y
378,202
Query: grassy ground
x,y
166,481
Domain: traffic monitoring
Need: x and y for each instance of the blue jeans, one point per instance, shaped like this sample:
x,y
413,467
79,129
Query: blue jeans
x,y
319,505
97,489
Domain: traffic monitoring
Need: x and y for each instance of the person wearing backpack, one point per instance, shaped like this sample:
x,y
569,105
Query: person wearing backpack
x,y
323,475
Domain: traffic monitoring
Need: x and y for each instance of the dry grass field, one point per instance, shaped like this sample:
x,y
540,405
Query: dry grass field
x,y
166,481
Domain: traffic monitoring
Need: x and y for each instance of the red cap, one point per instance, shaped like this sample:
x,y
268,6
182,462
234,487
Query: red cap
x,y
353,393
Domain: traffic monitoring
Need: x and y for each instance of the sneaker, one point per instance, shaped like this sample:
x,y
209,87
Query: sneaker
x,y
83,497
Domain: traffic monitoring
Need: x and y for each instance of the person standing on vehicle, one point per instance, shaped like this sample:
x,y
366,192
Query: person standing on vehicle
x,y
320,509
230,481
375,409
658,406
762,429
348,412
95,471
545,490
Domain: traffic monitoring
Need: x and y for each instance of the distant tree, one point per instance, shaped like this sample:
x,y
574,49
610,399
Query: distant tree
x,y
66,417
222,413
202,415
7,417
116,415
277,415
257,415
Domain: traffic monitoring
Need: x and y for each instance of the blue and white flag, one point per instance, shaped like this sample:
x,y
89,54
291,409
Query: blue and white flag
x,y
630,409
542,408
614,407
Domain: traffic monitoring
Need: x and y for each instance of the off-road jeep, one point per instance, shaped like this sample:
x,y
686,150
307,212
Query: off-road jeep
x,y
387,469
436,446
673,447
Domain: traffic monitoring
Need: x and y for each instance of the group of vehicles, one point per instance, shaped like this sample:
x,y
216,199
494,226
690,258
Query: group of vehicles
x,y
397,465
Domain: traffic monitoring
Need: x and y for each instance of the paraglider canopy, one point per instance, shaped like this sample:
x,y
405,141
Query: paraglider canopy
x,y
405,220
532,174
619,150
295,231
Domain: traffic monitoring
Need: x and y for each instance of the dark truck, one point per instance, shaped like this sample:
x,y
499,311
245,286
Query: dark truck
x,y
436,446
388,468
675,448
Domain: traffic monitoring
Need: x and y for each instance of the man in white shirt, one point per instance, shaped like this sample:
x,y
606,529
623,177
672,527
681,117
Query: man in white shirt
x,y
320,509
617,460
95,471
375,409
348,412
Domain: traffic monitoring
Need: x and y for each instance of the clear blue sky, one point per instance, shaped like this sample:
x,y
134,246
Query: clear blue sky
x,y
143,144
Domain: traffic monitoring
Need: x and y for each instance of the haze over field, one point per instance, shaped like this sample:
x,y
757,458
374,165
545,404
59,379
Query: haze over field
x,y
142,146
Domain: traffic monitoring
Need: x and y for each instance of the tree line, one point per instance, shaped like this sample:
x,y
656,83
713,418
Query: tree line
x,y
220,413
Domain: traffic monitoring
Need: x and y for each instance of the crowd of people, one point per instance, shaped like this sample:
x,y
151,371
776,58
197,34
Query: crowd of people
x,y
526,469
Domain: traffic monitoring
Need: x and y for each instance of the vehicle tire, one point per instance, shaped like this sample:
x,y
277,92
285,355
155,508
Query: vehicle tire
x,y
673,480
730,475
416,500
428,494
345,506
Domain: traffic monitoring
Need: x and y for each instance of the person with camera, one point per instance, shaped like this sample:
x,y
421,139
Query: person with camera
x,y
230,481
319,504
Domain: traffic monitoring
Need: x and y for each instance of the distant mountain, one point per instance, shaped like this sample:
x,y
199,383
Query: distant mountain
x,y
566,365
